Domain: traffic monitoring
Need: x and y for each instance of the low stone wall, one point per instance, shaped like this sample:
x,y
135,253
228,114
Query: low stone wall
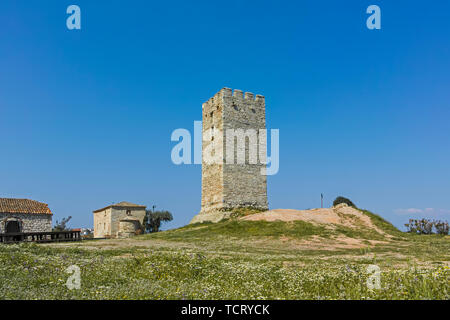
x,y
30,222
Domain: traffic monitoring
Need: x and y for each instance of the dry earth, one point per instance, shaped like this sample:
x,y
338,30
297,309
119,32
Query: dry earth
x,y
339,215
328,217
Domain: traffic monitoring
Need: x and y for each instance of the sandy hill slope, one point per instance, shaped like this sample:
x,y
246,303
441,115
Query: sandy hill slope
x,y
340,227
341,215
330,229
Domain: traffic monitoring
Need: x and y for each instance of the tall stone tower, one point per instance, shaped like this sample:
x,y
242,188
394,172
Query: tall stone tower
x,y
236,179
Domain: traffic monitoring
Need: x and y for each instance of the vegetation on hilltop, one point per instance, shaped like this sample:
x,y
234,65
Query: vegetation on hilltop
x,y
340,200
240,229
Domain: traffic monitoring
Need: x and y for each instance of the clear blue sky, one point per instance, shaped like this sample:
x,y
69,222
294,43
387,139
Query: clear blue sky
x,y
86,116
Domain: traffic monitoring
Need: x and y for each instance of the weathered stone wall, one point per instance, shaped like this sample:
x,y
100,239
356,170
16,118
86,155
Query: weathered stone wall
x,y
107,222
244,185
212,174
102,223
121,213
230,185
128,228
29,222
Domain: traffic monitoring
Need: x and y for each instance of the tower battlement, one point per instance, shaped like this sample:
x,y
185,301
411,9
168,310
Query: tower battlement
x,y
236,93
226,186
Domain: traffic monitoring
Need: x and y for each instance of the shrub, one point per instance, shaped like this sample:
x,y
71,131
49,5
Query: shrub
x,y
422,226
425,226
441,227
153,219
62,226
340,200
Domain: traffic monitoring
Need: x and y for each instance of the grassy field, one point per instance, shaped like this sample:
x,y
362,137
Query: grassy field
x,y
235,260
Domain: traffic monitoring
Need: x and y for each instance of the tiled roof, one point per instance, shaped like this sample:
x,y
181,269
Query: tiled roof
x,y
123,204
23,206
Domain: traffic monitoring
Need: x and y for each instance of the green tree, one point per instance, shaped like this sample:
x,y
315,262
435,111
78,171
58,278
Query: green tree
x,y
62,226
441,227
340,200
153,220
425,226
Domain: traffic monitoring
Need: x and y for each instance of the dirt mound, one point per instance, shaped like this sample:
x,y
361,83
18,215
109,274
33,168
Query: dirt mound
x,y
342,214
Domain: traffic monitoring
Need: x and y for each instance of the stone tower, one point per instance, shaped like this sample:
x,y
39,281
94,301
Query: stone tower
x,y
228,182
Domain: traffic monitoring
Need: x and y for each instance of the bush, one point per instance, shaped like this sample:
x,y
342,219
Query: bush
x,y
62,226
441,227
153,219
425,226
340,200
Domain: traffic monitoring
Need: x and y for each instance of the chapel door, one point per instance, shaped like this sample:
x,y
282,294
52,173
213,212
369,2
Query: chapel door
x,y
12,227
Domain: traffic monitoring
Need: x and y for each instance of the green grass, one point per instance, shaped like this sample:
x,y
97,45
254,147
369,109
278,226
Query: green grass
x,y
235,229
232,228
233,260
384,225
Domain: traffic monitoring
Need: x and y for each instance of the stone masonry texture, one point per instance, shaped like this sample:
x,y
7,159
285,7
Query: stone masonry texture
x,y
107,222
29,222
226,186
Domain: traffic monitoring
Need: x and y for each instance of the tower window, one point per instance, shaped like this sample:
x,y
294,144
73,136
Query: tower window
x,y
236,107
253,110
